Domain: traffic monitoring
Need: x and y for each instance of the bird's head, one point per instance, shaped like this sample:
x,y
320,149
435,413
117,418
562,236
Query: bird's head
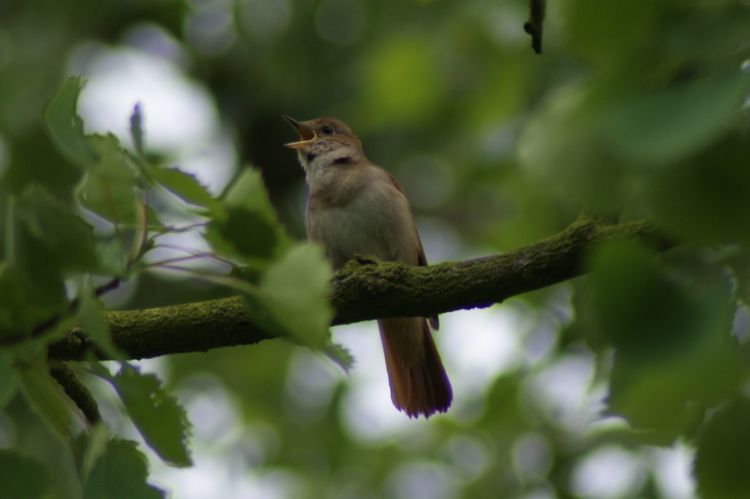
x,y
324,142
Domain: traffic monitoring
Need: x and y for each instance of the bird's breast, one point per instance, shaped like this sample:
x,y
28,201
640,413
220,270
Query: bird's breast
x,y
372,222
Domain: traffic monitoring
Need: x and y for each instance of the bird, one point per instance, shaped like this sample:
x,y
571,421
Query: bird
x,y
355,207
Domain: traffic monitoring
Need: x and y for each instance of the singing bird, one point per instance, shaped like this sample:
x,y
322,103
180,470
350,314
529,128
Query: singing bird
x,y
356,207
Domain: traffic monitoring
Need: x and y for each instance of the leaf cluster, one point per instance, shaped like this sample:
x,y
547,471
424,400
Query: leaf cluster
x,y
62,257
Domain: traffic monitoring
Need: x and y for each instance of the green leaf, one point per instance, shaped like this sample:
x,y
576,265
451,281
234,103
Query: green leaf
x,y
113,255
723,453
247,228
564,148
65,126
120,473
109,187
402,81
62,239
676,122
339,354
674,354
31,300
610,33
22,477
8,380
48,399
705,199
89,447
17,311
184,185
46,242
32,280
638,308
659,398
90,317
158,416
244,235
294,293
248,191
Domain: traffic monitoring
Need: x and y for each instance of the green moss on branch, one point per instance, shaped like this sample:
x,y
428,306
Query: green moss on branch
x,y
365,291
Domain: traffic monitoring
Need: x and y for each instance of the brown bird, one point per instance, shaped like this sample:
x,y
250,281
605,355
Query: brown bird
x,y
356,207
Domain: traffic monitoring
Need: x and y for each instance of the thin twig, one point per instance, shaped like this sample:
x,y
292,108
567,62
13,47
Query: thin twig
x,y
178,259
194,252
186,228
534,25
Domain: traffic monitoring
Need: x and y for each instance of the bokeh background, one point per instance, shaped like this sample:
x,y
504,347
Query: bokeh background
x,y
634,109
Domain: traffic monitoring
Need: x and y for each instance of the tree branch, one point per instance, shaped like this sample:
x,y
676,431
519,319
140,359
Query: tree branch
x,y
369,290
534,26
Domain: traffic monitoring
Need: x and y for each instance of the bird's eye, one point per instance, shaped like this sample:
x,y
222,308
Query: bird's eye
x,y
327,129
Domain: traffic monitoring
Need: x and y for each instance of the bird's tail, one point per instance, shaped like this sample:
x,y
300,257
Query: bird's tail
x,y
419,383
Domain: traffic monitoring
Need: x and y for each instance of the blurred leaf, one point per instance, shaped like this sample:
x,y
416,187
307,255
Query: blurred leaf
x,y
712,35
22,477
113,256
37,162
109,187
673,351
8,380
89,447
32,276
401,81
675,122
564,148
610,33
661,399
65,126
28,299
638,307
46,242
49,400
705,199
13,317
247,229
294,291
723,453
120,474
184,185
62,239
243,234
499,95
158,416
248,191
91,318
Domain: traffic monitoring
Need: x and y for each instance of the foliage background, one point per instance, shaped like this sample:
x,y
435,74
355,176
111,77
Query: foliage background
x,y
625,383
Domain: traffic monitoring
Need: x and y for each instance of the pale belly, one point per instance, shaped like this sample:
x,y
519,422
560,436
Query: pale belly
x,y
357,228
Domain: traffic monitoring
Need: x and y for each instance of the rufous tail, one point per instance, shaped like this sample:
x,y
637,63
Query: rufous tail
x,y
419,383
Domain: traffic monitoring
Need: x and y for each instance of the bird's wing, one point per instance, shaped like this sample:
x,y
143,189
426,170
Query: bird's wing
x,y
421,257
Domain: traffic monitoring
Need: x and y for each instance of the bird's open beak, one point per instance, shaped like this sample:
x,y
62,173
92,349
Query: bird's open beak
x,y
306,134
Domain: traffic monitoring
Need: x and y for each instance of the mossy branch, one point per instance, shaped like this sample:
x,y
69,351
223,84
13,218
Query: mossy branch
x,y
366,290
